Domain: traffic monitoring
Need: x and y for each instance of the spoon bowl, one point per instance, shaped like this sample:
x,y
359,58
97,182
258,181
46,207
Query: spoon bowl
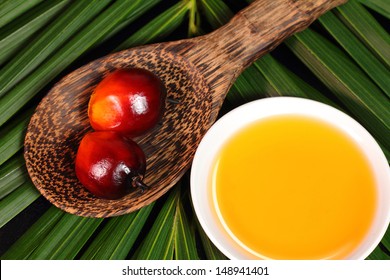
x,y
197,74
61,120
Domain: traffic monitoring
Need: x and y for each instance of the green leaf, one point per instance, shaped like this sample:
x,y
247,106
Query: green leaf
x,y
161,26
377,71
12,174
378,254
47,42
34,236
170,236
12,136
66,238
286,83
158,243
17,201
217,13
249,86
17,34
138,9
346,81
212,252
380,6
386,239
185,247
117,237
94,32
365,26
194,28
11,9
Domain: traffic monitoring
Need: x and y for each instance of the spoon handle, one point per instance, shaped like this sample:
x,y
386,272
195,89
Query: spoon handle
x,y
265,24
253,32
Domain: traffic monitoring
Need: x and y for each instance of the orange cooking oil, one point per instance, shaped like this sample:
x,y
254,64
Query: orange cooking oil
x,y
293,187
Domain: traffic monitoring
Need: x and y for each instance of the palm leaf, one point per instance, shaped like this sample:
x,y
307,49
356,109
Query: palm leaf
x,y
14,36
378,254
11,136
17,201
35,235
117,237
130,12
345,71
184,239
249,86
216,12
386,240
367,28
161,26
194,28
158,243
377,71
66,238
170,236
11,9
12,174
353,88
286,83
380,6
46,43
211,252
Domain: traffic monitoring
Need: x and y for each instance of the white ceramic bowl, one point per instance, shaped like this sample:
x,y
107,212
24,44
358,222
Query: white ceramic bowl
x,y
233,121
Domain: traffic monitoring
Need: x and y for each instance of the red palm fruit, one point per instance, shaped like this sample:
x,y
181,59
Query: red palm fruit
x,y
110,165
129,101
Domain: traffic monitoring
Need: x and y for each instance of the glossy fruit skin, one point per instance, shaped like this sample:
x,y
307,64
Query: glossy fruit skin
x,y
109,165
128,101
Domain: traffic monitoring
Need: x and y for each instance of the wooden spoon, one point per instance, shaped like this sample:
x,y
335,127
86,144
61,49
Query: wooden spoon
x,y
197,74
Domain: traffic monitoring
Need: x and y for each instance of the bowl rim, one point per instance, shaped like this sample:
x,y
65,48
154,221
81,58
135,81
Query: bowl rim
x,y
266,107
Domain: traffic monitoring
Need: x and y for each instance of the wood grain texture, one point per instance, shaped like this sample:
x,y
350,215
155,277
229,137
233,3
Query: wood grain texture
x,y
197,74
61,120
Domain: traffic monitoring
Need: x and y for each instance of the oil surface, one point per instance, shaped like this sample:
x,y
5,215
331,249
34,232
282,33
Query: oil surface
x,y
292,187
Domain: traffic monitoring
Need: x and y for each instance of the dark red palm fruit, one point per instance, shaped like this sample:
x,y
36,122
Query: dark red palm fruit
x,y
110,165
129,101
